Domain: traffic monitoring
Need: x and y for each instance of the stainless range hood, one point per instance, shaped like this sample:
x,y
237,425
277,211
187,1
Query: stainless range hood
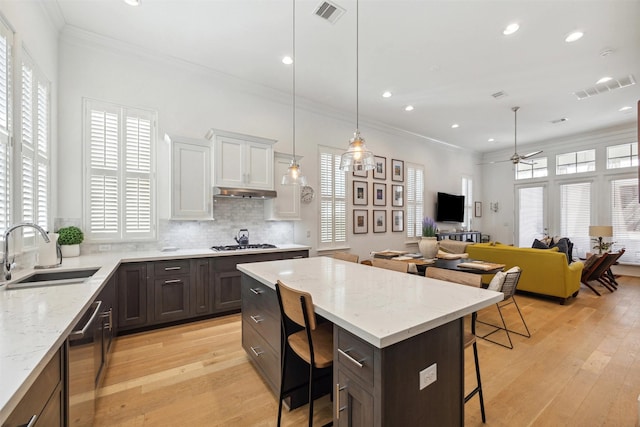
x,y
243,193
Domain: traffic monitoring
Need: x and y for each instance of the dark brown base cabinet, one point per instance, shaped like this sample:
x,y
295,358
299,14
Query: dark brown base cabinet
x,y
44,403
159,292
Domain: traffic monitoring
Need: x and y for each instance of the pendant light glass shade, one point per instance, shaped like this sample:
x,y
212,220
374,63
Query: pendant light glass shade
x,y
357,157
294,175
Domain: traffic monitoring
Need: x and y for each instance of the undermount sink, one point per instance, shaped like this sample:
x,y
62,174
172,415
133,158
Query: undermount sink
x,y
50,278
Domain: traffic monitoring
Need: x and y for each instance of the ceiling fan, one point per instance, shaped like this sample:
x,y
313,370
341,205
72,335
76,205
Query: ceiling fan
x,y
517,158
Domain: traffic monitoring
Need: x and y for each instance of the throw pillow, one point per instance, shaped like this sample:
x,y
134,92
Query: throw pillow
x,y
497,281
537,244
564,248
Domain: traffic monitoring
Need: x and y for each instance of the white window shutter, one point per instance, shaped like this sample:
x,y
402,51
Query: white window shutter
x,y
625,218
333,201
575,214
6,65
415,199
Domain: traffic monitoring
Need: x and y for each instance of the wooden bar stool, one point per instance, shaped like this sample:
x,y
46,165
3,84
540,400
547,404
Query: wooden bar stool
x,y
390,264
345,256
468,338
310,340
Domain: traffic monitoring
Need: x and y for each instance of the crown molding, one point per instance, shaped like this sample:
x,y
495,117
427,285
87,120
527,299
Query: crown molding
x,y
52,10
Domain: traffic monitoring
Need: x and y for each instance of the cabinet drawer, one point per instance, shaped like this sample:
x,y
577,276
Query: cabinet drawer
x,y
36,398
266,325
295,254
260,298
265,358
171,267
228,263
351,349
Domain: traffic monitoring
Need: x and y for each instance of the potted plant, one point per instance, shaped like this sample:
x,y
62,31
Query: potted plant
x,y
69,239
429,243
601,245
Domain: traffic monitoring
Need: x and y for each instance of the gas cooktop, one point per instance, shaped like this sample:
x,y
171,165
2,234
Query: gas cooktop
x,y
241,247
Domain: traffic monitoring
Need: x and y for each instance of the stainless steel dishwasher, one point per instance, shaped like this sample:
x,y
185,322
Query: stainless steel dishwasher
x,y
85,357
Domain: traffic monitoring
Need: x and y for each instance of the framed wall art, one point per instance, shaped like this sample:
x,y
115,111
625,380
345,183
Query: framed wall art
x,y
397,170
360,221
477,212
397,220
360,171
397,195
379,221
360,194
380,171
379,194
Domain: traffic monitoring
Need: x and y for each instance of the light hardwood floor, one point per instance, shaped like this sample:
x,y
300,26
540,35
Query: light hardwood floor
x,y
581,367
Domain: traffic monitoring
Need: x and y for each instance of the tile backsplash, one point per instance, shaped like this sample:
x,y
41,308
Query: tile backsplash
x,y
230,216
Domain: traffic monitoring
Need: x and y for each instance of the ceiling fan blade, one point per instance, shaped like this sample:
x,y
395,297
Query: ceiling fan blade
x,y
535,153
525,163
493,162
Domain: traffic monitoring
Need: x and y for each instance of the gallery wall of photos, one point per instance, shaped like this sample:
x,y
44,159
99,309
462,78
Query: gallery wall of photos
x,y
379,197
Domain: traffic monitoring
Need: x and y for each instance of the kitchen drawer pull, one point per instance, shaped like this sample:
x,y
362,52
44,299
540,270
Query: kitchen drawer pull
x,y
78,334
338,407
356,362
257,353
166,282
257,319
172,268
32,421
256,291
298,257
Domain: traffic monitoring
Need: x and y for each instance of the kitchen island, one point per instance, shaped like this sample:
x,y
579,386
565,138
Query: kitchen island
x,y
388,327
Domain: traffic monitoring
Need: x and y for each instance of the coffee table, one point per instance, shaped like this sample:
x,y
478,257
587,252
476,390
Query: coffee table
x,y
453,264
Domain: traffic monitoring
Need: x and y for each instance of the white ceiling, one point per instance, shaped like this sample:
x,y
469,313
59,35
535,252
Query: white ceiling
x,y
444,57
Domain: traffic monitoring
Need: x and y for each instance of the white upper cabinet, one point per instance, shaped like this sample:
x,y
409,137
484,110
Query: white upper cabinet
x,y
243,161
287,205
191,179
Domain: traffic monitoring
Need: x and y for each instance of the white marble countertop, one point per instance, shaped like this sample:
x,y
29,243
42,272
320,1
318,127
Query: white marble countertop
x,y
34,322
381,306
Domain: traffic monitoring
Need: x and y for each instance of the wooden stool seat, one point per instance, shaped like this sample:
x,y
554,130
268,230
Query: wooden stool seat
x,y
322,338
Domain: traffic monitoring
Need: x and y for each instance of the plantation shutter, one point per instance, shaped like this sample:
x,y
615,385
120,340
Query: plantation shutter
x,y
531,215
625,218
120,175
575,214
6,87
333,199
415,199
26,132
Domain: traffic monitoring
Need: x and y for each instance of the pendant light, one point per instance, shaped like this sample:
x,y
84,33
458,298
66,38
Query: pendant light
x,y
357,157
294,175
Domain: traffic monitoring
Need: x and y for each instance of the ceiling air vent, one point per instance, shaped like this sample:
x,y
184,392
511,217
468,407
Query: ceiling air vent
x,y
606,87
561,120
329,11
499,94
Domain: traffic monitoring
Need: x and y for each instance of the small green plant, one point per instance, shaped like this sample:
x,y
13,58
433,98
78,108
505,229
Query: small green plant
x,y
70,235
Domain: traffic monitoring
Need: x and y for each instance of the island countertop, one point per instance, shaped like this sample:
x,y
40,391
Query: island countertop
x,y
380,306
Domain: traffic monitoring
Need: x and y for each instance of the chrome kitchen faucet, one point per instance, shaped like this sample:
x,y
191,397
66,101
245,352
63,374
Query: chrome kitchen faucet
x,y
6,263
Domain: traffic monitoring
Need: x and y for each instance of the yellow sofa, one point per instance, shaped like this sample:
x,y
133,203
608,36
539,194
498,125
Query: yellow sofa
x,y
544,271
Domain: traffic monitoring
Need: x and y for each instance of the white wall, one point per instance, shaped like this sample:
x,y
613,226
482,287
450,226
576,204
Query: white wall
x,y
190,100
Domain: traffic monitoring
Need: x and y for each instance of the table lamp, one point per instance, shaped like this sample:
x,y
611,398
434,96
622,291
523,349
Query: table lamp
x,y
600,231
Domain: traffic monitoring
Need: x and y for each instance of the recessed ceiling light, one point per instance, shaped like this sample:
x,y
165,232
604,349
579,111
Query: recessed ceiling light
x,y
510,29
287,60
455,126
603,80
386,94
133,2
576,35
625,108
490,140
408,108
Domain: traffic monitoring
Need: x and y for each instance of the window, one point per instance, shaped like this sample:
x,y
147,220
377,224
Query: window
x,y
531,168
6,41
333,199
576,162
467,192
625,218
34,149
575,214
120,183
622,156
415,199
531,214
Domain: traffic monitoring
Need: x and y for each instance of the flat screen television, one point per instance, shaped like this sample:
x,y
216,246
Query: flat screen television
x,y
449,208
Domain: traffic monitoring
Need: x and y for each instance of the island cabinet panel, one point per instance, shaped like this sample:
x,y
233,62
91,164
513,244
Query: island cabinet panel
x,y
375,386
132,296
44,403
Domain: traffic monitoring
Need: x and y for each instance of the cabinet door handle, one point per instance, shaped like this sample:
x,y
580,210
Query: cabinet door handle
x,y
298,257
338,407
166,282
256,291
108,315
257,319
77,334
257,353
31,422
172,268
356,362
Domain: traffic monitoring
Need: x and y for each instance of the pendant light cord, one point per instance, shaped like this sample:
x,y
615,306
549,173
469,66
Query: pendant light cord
x,y
357,67
294,81
515,129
